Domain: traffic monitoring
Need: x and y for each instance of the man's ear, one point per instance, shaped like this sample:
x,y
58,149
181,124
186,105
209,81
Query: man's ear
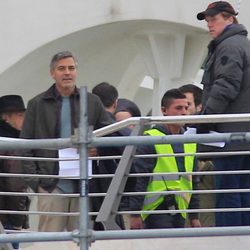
x,y
115,104
199,108
164,110
52,73
230,19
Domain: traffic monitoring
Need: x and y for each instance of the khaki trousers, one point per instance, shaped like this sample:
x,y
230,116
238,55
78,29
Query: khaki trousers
x,y
52,223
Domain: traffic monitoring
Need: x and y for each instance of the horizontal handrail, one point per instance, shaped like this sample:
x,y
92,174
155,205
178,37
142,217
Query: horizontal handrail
x,y
130,175
188,119
59,143
170,233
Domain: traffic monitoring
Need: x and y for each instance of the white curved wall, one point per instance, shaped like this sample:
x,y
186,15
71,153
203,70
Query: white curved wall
x,y
119,41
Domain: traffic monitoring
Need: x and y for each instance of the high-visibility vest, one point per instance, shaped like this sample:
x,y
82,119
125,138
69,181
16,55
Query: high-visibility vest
x,y
177,182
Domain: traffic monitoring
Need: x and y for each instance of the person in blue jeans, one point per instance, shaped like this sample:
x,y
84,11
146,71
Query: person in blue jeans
x,y
226,90
233,200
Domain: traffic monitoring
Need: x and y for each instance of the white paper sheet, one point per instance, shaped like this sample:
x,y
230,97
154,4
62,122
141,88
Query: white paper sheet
x,y
192,131
71,167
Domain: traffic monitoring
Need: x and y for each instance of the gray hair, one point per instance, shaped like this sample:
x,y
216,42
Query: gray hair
x,y
59,56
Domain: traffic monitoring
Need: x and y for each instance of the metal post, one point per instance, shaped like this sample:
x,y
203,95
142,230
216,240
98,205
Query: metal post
x,y
83,152
113,197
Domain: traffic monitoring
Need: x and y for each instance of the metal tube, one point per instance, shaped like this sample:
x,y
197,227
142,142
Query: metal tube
x,y
216,191
128,140
83,150
112,175
228,153
7,143
185,211
132,212
127,234
190,119
151,140
40,213
170,233
15,144
37,237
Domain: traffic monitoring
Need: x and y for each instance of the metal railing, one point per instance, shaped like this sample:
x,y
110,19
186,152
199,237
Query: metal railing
x,y
110,207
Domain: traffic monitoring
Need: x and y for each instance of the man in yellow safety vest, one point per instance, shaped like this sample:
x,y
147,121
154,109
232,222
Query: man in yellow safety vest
x,y
173,103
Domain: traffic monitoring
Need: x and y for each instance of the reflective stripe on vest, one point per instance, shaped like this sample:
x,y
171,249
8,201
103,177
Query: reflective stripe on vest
x,y
172,182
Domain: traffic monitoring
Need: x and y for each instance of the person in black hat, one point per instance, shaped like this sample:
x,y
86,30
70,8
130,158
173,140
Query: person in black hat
x,y
226,90
12,112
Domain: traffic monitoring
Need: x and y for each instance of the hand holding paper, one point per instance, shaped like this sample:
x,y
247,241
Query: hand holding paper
x,y
71,167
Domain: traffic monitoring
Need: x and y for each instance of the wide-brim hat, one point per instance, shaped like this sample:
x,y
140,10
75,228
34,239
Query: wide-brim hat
x,y
216,8
11,103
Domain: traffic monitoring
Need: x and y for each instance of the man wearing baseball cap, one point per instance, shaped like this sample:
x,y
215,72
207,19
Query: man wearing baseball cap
x,y
226,90
216,8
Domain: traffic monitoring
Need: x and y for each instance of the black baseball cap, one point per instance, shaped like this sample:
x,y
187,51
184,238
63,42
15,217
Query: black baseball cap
x,y
215,8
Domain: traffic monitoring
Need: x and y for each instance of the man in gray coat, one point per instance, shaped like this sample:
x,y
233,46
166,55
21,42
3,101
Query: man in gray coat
x,y
226,82
55,114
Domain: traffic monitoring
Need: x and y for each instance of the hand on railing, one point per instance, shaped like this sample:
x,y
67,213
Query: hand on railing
x,y
195,223
136,222
92,152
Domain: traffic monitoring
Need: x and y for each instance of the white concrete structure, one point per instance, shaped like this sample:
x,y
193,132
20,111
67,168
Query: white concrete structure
x,y
119,41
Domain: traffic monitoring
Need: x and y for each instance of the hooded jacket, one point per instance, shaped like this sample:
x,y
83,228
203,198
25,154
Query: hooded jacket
x,y
226,80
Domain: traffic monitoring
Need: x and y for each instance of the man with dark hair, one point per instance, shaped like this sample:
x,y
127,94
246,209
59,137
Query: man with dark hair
x,y
173,103
12,112
55,114
108,95
227,91
193,94
170,96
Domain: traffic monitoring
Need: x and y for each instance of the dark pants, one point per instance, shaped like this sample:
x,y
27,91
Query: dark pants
x,y
232,200
160,221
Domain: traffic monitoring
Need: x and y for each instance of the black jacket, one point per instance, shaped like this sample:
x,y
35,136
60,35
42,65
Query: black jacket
x,y
42,121
12,184
226,81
